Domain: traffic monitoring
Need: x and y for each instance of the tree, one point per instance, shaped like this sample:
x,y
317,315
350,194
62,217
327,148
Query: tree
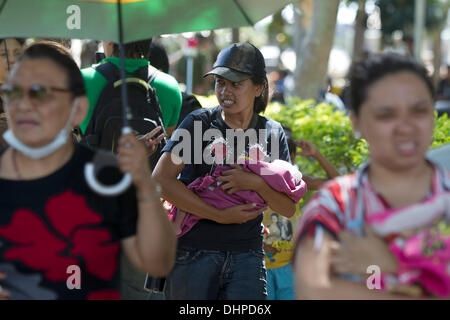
x,y
312,59
360,29
399,15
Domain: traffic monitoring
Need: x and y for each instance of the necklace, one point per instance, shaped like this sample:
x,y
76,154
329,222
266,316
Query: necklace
x,y
14,161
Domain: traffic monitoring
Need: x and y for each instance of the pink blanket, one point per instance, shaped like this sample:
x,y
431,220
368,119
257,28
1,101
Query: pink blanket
x,y
280,175
420,239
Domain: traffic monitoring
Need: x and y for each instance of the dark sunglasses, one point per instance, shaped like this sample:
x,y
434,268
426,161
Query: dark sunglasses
x,y
36,93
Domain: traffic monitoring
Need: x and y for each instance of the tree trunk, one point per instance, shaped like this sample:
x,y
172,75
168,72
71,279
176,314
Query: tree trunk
x,y
235,35
437,54
312,60
360,29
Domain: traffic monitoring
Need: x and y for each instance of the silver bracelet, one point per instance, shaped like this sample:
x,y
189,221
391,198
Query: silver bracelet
x,y
155,195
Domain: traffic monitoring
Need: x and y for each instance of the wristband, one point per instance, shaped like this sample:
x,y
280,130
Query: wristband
x,y
155,195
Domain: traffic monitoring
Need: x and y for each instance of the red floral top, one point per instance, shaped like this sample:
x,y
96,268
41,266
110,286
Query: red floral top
x,y
59,239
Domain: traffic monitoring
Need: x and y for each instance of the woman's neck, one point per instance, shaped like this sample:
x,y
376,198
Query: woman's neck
x,y
17,166
402,187
239,120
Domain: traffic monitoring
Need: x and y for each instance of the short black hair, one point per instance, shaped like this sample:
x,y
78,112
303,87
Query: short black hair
x,y
60,56
158,57
290,139
364,73
137,48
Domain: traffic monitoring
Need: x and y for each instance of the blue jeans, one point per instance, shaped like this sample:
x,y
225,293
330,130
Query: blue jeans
x,y
280,283
217,275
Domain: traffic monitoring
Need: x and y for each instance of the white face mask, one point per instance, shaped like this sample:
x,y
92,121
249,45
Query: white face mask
x,y
41,152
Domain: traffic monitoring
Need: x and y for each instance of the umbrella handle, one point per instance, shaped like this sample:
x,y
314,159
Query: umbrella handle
x,y
102,161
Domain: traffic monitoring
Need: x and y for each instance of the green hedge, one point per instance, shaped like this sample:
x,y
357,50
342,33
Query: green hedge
x,y
330,131
332,134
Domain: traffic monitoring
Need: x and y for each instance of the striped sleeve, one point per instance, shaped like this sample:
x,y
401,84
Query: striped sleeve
x,y
327,208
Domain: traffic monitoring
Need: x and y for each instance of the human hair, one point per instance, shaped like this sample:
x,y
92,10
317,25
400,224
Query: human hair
x,y
19,40
134,50
261,102
158,57
61,56
365,73
290,140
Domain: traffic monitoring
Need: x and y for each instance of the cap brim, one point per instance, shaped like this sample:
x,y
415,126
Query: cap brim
x,y
229,74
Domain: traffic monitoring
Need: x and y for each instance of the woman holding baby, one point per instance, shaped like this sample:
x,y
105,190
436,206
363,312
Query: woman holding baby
x,y
221,257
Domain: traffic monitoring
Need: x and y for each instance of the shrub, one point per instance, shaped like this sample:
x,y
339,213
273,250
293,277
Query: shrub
x,y
331,132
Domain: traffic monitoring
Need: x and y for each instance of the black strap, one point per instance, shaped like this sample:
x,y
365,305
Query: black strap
x,y
112,73
109,71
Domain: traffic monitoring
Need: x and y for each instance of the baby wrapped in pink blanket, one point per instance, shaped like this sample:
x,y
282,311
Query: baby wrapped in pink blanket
x,y
280,175
419,236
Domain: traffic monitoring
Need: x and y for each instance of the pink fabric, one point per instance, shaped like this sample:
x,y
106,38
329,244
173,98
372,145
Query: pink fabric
x,y
421,248
279,175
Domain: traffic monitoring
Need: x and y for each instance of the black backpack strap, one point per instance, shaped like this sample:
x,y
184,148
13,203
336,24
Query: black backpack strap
x,y
109,71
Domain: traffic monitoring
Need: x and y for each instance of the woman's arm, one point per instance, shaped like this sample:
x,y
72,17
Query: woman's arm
x,y
314,183
310,150
314,278
237,179
152,249
166,172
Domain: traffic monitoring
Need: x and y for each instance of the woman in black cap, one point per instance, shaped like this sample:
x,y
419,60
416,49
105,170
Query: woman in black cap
x,y
222,257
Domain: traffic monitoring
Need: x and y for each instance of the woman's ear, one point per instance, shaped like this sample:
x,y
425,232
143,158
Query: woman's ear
x,y
259,90
82,105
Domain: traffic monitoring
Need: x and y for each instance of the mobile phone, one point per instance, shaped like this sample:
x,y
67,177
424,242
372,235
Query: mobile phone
x,y
99,56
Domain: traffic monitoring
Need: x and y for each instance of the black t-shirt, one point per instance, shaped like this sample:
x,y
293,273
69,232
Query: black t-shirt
x,y
190,144
53,225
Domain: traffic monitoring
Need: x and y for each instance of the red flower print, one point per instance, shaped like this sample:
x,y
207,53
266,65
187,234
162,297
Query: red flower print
x,y
104,295
90,243
40,248
65,218
36,246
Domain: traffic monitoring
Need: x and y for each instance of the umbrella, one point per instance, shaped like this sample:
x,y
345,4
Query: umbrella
x,y
141,19
124,21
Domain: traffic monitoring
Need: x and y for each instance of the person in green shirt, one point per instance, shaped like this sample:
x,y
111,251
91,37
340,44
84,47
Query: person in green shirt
x,y
136,54
169,97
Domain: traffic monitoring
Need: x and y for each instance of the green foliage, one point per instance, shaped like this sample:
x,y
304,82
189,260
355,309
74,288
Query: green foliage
x,y
399,15
329,130
441,134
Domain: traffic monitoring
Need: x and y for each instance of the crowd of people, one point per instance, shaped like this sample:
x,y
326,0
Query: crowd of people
x,y
218,216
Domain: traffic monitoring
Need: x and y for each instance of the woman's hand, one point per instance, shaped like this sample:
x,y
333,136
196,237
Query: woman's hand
x,y
150,142
308,148
239,214
4,294
237,179
133,159
354,254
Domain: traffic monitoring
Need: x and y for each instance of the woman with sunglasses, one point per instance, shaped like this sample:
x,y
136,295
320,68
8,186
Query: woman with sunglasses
x,y
59,239
10,50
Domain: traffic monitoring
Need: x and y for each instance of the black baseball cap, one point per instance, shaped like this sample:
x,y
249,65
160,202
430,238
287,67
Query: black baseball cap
x,y
239,62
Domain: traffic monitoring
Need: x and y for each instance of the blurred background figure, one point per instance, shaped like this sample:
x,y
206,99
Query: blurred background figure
x,y
10,49
276,79
159,59
443,89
